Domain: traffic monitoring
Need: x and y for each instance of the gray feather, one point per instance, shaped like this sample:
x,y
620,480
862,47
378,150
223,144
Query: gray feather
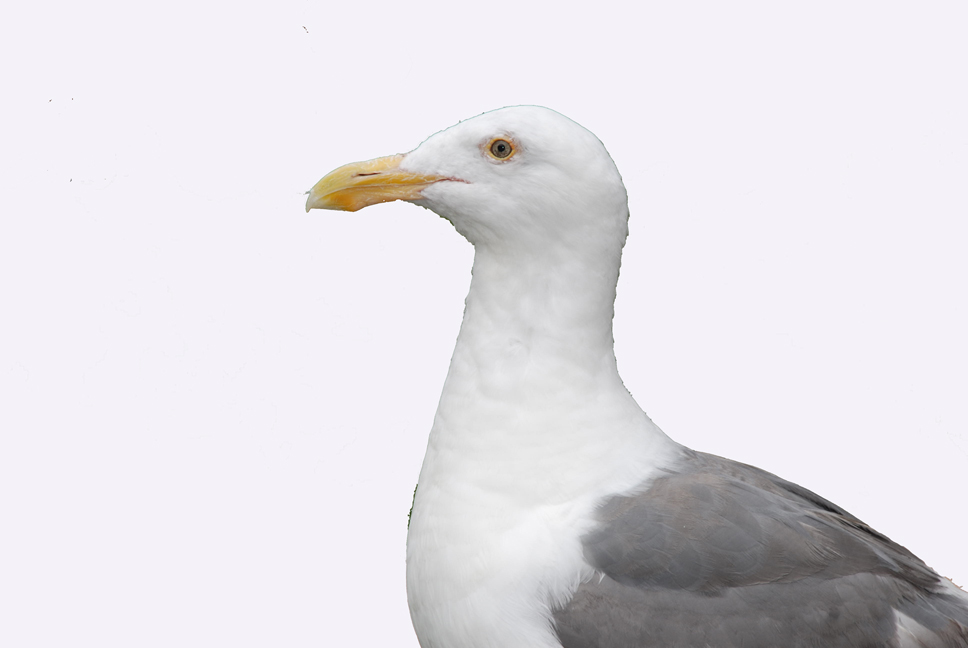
x,y
723,554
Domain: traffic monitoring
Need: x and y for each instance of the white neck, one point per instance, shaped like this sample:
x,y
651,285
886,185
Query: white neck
x,y
533,383
533,325
534,427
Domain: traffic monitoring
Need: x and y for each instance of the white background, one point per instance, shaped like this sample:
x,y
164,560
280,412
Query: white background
x,y
214,406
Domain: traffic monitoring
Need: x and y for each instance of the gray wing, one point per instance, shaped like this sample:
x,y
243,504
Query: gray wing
x,y
718,553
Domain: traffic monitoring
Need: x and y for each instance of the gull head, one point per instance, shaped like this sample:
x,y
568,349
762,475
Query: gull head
x,y
524,178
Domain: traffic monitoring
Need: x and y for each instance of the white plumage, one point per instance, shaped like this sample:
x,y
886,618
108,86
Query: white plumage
x,y
534,426
535,434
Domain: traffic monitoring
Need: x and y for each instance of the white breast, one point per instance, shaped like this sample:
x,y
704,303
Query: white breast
x,y
506,491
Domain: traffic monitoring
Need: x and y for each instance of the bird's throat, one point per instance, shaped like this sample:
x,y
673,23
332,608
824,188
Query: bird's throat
x,y
534,321
534,355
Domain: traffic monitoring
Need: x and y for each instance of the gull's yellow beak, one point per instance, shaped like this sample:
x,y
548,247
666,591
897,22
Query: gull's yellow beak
x,y
360,184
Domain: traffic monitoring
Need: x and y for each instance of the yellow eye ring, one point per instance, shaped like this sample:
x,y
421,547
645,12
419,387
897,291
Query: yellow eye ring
x,y
500,148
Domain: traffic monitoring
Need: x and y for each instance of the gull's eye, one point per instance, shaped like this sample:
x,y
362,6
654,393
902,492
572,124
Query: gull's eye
x,y
501,149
